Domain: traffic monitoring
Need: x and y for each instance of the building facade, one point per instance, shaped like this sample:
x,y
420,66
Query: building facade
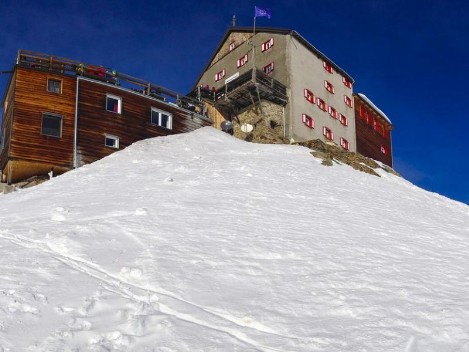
x,y
319,94
373,129
59,114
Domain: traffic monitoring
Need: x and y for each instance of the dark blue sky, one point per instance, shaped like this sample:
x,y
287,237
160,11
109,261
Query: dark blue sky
x,y
411,58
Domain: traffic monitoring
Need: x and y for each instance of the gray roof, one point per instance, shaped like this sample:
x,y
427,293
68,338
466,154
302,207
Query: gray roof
x,y
291,32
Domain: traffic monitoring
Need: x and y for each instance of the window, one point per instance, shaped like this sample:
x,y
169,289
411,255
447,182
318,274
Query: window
x,y
348,101
268,44
111,141
310,96
161,118
2,142
329,87
219,75
269,68
113,103
376,125
308,121
347,83
363,112
343,119
232,46
51,125
321,104
54,86
242,61
384,149
385,132
344,143
327,133
327,66
332,112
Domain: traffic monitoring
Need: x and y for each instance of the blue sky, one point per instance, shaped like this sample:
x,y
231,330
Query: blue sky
x,y
411,58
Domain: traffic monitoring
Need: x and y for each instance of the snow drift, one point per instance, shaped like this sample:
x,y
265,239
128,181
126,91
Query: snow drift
x,y
202,242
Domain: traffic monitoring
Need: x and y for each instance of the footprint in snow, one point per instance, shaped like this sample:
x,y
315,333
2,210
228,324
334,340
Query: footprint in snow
x,y
58,217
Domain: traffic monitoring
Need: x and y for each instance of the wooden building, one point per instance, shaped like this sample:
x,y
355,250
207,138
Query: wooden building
x,y
373,130
59,114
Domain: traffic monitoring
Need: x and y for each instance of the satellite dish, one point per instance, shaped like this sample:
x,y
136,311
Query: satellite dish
x,y
246,127
227,126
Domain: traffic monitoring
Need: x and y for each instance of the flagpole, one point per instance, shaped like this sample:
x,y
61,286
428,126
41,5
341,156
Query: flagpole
x,y
254,51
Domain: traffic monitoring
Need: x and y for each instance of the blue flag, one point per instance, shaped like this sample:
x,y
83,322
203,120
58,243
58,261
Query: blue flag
x,y
262,12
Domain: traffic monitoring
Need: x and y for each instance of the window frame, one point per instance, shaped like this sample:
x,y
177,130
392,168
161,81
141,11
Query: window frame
x,y
346,82
348,101
51,114
160,113
119,103
327,132
332,112
243,60
111,137
59,81
220,75
328,67
329,87
343,119
321,104
384,149
269,67
309,96
267,45
307,120
345,144
232,46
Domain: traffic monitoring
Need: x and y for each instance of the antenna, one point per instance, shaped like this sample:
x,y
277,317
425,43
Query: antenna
x,y
233,21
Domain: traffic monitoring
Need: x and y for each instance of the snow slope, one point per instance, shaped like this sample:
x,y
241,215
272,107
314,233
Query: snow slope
x,y
202,242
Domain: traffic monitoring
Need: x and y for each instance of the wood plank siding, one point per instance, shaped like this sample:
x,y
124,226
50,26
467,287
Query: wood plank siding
x,y
33,144
131,125
372,141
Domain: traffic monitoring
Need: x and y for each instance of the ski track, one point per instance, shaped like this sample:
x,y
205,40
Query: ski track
x,y
125,289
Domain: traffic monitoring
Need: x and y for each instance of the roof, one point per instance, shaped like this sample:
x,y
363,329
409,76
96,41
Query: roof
x,y
374,107
283,31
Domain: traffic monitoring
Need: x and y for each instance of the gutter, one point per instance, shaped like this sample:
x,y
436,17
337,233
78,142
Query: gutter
x,y
75,131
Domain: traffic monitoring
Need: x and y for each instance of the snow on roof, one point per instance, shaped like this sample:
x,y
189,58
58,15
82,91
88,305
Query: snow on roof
x,y
369,102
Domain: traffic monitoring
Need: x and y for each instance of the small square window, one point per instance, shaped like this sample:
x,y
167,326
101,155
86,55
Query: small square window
x,y
327,66
321,104
329,87
268,69
327,133
347,83
308,121
348,101
161,118
268,44
242,61
219,75
113,103
332,112
384,150
344,143
111,141
309,96
232,46
343,119
51,125
54,86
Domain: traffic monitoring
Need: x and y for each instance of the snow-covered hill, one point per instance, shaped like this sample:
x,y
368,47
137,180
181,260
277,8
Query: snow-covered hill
x,y
202,242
